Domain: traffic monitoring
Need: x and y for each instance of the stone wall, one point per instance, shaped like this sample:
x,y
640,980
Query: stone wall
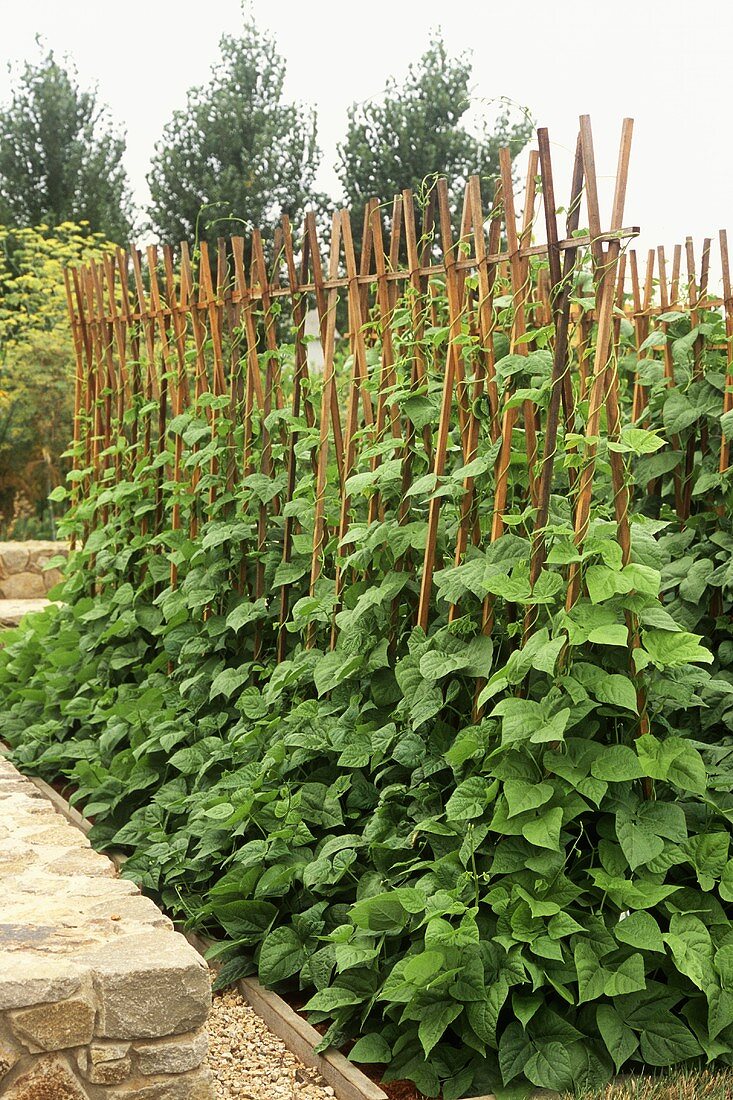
x,y
100,999
23,572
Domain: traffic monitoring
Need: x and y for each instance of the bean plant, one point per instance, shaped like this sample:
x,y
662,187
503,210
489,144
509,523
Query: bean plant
x,y
483,856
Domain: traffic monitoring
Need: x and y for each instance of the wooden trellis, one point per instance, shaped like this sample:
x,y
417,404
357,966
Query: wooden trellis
x,y
155,336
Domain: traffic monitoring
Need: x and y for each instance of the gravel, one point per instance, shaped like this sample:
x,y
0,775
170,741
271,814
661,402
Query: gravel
x,y
250,1063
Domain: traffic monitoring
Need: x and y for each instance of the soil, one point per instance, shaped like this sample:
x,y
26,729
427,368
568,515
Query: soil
x,y
396,1090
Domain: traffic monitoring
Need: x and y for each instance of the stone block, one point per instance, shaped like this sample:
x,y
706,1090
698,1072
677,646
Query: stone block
x,y
23,801
105,1063
11,865
12,611
197,1085
39,560
101,1051
77,861
14,557
23,586
52,832
134,907
47,1079
178,1055
8,1057
21,809
38,880
26,979
149,986
110,1073
68,1023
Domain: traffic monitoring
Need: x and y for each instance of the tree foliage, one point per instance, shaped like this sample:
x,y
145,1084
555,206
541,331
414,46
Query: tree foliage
x,y
60,156
237,150
419,128
36,356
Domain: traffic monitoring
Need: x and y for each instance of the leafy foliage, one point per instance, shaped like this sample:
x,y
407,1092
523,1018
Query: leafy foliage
x,y
468,851
61,160
37,362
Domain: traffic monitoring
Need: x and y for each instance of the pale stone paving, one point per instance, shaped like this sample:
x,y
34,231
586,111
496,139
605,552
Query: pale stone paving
x,y
12,611
100,999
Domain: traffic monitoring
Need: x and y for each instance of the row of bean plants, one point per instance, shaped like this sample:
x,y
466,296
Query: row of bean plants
x,y
489,849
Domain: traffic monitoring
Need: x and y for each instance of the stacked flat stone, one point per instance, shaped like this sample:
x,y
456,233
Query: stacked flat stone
x,y
23,568
100,999
12,611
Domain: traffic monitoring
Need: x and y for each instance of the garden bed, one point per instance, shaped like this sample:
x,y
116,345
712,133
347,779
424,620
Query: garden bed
x,y
271,1072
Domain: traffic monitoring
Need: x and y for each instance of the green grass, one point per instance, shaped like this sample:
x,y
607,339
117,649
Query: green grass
x,y
679,1086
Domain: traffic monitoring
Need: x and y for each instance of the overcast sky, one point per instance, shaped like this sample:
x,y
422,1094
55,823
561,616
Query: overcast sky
x,y
666,63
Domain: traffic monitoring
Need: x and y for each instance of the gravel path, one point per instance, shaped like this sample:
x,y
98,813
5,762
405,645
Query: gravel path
x,y
250,1063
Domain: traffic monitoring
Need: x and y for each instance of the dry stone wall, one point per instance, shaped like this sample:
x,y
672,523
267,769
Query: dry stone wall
x,y
23,569
100,999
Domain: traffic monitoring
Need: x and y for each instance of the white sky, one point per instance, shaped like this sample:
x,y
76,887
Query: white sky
x,y
666,63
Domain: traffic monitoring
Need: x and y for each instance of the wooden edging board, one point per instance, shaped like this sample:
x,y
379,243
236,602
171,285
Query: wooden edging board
x,y
300,1037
